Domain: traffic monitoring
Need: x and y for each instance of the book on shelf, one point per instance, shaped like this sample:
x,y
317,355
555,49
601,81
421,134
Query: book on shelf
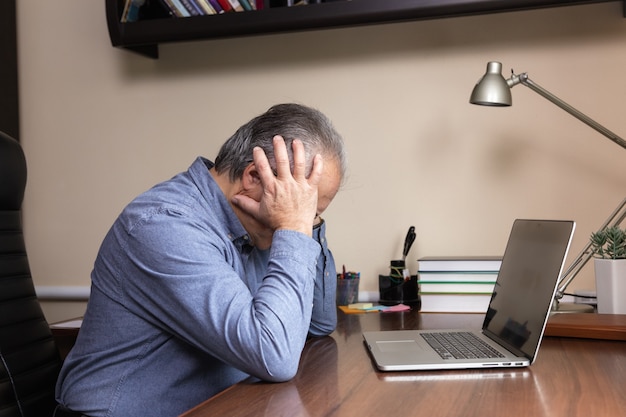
x,y
186,8
459,263
206,7
215,5
176,8
453,287
237,7
193,7
131,10
455,303
225,5
247,5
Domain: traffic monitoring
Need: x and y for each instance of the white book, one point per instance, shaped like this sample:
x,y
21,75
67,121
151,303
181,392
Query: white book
x,y
236,5
456,288
455,303
462,263
459,276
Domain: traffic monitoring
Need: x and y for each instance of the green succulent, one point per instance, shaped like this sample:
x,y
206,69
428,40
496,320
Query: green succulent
x,y
609,243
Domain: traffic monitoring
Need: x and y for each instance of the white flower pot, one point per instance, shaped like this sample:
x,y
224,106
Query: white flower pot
x,y
611,285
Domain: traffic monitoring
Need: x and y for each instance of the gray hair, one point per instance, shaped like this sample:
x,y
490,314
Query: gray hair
x,y
291,121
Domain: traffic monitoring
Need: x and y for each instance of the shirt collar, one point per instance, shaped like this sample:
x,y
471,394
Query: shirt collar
x,y
216,200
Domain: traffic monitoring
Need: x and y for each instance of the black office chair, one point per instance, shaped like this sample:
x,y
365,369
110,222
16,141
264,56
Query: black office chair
x,y
29,358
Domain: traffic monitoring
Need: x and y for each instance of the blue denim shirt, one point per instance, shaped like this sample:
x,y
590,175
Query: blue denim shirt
x,y
182,306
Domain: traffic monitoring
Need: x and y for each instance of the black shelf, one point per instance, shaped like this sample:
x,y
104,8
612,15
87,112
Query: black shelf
x,y
144,36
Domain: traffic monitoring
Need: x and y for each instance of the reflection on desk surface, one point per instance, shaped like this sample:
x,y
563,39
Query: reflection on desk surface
x,y
452,376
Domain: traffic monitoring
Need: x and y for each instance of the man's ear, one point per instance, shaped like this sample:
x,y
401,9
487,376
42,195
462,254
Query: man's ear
x,y
251,182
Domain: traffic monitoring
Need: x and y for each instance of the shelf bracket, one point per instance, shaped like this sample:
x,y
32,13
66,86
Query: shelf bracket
x,y
150,51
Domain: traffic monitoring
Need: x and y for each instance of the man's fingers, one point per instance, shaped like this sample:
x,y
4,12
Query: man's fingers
x,y
281,157
246,204
316,171
262,165
299,160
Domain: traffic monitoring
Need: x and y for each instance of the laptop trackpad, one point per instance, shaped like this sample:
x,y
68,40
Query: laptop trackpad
x,y
390,346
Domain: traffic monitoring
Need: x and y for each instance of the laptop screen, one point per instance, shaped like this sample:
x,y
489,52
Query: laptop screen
x,y
532,263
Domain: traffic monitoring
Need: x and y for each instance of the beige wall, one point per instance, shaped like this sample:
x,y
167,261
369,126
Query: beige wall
x,y
100,125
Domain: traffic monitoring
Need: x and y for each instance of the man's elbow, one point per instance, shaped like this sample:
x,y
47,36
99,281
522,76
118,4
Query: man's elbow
x,y
282,371
322,329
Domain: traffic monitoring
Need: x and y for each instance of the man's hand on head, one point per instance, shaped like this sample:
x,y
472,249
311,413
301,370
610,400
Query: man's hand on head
x,y
289,200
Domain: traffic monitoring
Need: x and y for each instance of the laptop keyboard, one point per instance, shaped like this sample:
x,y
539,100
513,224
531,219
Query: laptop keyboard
x,y
460,345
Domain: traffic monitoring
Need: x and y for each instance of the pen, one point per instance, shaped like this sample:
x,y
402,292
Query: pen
x,y
408,242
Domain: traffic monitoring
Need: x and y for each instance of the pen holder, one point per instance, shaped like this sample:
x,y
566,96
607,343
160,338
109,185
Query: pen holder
x,y
347,290
396,290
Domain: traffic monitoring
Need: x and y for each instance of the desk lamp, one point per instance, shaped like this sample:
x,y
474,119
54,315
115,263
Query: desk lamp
x,y
493,90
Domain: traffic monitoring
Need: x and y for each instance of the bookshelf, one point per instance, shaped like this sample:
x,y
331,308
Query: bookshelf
x,y
144,36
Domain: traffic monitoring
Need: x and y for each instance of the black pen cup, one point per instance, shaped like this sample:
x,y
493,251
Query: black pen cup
x,y
398,290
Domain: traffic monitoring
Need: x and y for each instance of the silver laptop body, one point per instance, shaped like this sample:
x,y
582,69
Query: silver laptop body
x,y
517,315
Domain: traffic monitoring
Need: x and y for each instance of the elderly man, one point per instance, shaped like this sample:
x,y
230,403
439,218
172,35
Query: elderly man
x,y
217,274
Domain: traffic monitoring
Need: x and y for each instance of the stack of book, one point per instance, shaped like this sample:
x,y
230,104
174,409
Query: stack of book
x,y
457,284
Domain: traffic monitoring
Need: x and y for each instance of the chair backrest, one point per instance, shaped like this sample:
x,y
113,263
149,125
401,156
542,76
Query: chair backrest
x,y
29,359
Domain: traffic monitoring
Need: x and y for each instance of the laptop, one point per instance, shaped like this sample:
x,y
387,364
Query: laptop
x,y
515,319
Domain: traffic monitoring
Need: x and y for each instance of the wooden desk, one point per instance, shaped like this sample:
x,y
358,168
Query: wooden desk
x,y
571,377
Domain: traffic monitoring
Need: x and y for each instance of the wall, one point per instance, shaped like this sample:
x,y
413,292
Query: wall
x,y
100,125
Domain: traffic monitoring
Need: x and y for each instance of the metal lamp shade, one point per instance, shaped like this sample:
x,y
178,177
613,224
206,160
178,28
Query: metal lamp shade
x,y
492,89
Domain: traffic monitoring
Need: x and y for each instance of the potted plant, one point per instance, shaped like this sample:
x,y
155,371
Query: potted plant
x,y
609,249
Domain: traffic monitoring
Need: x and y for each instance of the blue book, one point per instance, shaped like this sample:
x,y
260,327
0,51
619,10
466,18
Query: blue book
x,y
131,10
246,5
192,7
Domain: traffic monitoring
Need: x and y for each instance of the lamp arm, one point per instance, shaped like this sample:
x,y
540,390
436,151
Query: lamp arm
x,y
523,79
620,212
585,255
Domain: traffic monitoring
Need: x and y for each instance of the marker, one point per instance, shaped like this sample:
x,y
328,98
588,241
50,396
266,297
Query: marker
x,y
408,242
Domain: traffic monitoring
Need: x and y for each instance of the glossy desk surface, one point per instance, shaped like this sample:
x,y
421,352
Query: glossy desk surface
x,y
571,377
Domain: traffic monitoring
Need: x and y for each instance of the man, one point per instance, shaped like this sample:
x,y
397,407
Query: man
x,y
212,276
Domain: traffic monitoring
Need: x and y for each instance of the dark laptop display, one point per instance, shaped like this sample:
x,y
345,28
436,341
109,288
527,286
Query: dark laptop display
x,y
516,317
